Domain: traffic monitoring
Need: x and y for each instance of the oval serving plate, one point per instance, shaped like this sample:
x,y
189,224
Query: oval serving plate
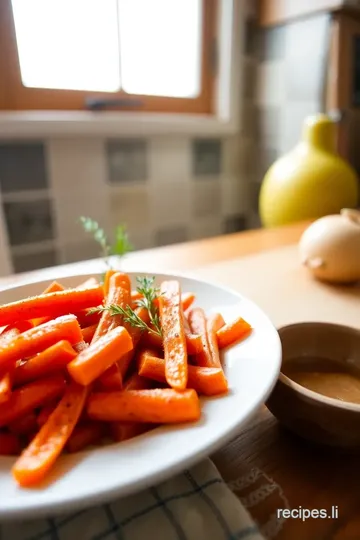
x,y
101,474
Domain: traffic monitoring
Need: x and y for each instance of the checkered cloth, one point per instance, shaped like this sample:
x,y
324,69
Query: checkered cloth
x,y
195,505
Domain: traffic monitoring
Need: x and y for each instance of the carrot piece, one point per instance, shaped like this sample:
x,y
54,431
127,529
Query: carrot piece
x,y
194,342
30,396
9,444
38,458
198,325
51,304
53,359
214,323
86,317
85,435
233,332
123,431
158,406
88,332
45,412
100,355
172,323
135,296
207,381
39,338
119,293
153,340
24,425
111,379
14,329
5,386
187,299
90,282
53,287
108,275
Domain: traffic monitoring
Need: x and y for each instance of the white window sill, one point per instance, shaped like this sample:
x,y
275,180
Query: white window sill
x,y
38,124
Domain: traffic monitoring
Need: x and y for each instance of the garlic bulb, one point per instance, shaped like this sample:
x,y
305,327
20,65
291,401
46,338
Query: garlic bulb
x,y
330,247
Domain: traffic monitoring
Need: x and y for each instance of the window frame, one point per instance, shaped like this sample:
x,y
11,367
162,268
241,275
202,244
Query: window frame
x,y
16,97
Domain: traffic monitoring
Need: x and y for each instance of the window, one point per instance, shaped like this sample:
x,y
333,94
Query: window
x,y
154,55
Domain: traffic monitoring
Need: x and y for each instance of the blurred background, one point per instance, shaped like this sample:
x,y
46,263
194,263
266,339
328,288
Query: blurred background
x,y
69,70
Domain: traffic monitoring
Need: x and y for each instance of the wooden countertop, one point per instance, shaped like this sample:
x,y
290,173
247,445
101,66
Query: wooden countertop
x,y
267,467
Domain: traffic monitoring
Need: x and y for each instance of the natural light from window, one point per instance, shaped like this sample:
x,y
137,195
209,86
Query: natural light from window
x,y
150,47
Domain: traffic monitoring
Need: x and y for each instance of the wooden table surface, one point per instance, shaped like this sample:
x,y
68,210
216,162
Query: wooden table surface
x,y
284,471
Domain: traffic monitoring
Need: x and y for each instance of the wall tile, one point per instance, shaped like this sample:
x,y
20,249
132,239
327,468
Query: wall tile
x,y
307,37
265,157
271,43
142,239
234,195
22,167
292,121
169,159
80,251
250,38
29,221
28,262
270,87
169,203
250,120
127,160
305,78
255,192
129,205
232,149
206,228
234,224
171,235
205,198
207,157
269,126
250,75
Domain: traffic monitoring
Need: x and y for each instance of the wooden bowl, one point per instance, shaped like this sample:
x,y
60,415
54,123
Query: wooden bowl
x,y
311,415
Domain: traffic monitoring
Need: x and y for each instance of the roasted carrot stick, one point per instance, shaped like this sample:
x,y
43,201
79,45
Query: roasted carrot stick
x,y
5,386
14,329
53,287
119,293
53,359
85,435
123,431
9,444
111,379
187,299
88,332
214,323
233,332
41,454
198,325
135,334
100,355
45,412
194,342
51,304
158,406
24,425
207,381
86,317
108,275
172,324
39,338
30,396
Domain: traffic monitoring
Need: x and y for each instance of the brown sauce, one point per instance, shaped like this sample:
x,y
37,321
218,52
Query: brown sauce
x,y
332,379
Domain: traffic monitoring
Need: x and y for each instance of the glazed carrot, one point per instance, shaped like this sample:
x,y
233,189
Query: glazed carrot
x,y
30,396
111,379
86,317
100,355
214,323
198,325
153,340
53,359
207,381
9,444
39,338
108,275
233,332
194,342
118,293
123,431
24,425
172,324
45,412
85,435
158,406
38,458
53,287
14,329
135,296
135,334
51,304
5,386
187,299
88,332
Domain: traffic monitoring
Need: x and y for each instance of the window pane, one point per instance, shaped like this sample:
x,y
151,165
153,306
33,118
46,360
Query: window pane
x,y
160,47
68,44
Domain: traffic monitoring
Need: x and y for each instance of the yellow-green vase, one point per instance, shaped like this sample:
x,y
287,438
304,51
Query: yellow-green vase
x,y
310,181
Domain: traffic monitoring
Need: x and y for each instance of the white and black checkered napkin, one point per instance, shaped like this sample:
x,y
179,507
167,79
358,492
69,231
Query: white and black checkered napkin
x,y
195,505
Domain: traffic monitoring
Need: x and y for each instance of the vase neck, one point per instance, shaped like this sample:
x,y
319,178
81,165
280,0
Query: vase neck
x,y
319,131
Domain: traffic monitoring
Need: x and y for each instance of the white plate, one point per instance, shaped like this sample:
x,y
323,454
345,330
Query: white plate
x,y
101,474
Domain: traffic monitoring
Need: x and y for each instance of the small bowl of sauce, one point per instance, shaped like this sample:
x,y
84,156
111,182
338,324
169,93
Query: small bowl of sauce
x,y
317,394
